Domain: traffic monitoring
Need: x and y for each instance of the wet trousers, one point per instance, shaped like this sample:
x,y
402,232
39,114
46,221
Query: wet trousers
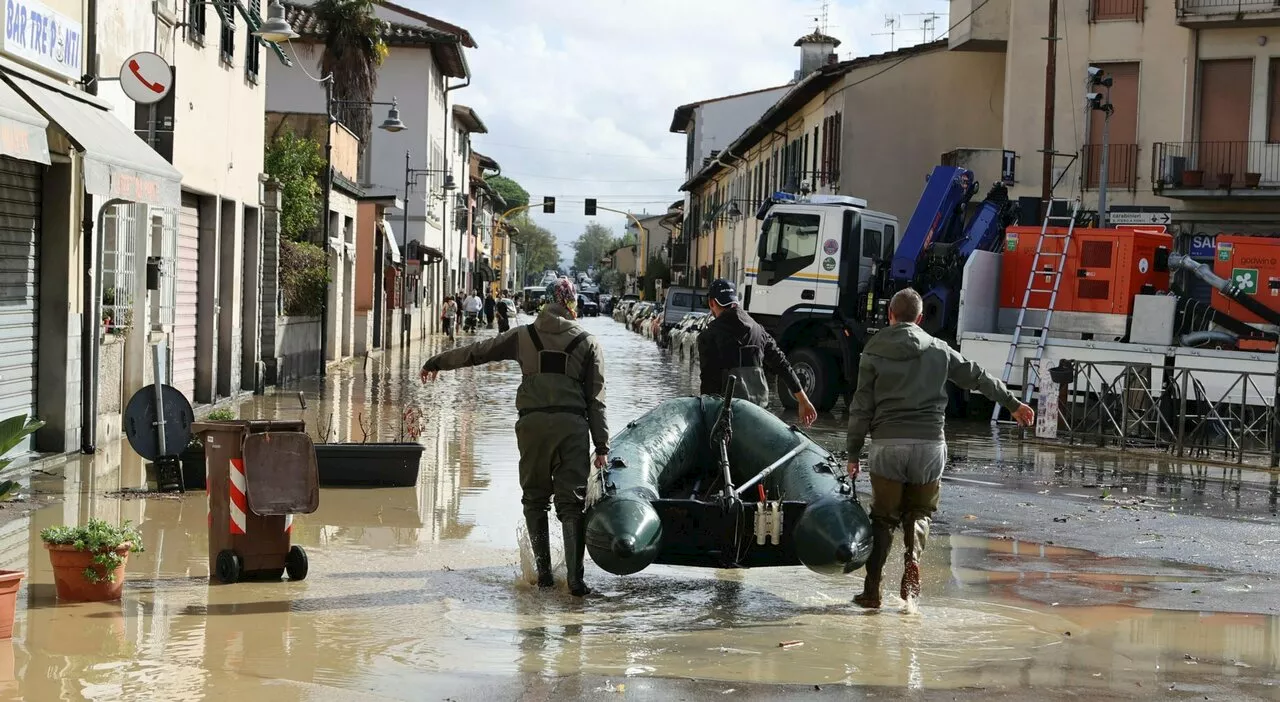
x,y
555,461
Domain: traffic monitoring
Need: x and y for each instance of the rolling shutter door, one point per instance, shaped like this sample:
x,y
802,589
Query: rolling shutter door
x,y
184,325
20,201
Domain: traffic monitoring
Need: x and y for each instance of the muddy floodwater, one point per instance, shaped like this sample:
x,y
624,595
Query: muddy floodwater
x,y
417,593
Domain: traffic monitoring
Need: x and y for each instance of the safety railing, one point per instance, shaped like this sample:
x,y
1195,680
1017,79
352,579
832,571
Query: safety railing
x,y
1225,7
1122,166
1104,10
1215,165
1203,413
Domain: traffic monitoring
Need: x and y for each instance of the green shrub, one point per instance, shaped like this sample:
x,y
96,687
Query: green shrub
x,y
12,432
99,538
297,163
304,272
220,415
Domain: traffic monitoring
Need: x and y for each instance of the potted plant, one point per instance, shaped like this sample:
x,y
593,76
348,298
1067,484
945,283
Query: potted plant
x,y
1193,179
192,457
1224,180
88,561
1252,180
13,431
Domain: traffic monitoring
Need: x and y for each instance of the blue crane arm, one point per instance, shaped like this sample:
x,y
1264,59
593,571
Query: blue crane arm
x,y
937,219
988,225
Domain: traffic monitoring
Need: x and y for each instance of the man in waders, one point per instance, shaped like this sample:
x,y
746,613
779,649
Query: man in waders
x,y
505,311
733,343
902,401
561,406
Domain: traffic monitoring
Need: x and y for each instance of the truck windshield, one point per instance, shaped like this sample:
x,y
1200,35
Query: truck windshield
x,y
788,245
688,300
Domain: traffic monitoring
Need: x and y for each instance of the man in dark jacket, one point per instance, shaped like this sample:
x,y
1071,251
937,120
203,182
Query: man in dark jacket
x,y
489,306
733,343
902,400
561,406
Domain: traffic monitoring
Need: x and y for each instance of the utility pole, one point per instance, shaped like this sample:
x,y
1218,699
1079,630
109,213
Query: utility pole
x,y
1099,79
1050,95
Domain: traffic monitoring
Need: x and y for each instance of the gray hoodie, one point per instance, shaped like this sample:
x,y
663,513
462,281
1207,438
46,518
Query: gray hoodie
x,y
902,387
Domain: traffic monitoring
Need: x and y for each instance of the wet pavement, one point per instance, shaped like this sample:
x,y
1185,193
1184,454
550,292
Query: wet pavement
x,y
418,593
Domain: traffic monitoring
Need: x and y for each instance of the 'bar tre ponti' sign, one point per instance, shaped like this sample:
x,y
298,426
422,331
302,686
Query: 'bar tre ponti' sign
x,y
41,36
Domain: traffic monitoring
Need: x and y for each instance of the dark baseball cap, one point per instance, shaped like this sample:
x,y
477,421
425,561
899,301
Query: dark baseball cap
x,y
723,292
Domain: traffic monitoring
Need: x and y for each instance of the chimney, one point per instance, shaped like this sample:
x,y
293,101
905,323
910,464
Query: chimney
x,y
816,50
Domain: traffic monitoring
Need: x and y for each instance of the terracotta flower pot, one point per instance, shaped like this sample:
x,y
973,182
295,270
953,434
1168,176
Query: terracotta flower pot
x,y
1252,180
1225,180
10,580
1193,179
69,564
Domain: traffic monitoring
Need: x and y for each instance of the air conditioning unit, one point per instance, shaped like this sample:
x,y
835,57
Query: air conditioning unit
x,y
1171,169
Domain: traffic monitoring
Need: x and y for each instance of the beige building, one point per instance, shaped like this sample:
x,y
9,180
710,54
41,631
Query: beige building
x,y
1196,99
872,127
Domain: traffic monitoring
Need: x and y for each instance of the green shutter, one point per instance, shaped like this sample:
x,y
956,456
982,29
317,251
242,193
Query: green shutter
x,y
254,20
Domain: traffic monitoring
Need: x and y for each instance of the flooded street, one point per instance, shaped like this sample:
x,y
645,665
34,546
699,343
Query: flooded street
x,y
417,593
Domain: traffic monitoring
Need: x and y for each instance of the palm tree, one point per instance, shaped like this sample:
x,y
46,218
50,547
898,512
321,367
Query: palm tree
x,y
353,51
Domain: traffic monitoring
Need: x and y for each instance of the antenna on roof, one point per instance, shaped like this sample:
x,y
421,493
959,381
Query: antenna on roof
x,y
826,13
928,25
892,22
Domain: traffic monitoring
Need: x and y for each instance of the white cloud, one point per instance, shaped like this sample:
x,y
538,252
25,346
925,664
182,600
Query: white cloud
x,y
578,94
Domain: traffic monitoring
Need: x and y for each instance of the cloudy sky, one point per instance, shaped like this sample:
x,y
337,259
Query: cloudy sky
x,y
578,94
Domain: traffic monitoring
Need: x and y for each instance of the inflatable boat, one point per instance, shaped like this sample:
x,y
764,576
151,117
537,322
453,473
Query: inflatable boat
x,y
698,482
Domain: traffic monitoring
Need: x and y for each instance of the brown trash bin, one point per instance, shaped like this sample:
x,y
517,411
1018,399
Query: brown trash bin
x,y
258,475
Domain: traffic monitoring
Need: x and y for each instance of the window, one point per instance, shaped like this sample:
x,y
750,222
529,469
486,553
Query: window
x,y
1273,102
196,24
872,242
252,46
227,39
164,245
788,246
1105,10
119,280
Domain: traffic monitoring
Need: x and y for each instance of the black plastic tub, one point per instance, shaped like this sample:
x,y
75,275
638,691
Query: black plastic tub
x,y
341,465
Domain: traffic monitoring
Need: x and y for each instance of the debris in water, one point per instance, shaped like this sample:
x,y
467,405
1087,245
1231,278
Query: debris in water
x,y
143,494
1060,520
971,516
743,651
1067,633
790,644
732,689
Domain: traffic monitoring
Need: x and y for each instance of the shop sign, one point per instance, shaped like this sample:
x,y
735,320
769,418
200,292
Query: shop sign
x,y
48,39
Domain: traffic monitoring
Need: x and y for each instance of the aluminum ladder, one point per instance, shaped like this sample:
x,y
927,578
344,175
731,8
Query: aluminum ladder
x,y
1050,220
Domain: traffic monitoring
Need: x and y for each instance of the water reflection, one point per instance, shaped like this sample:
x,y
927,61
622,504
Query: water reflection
x,y
409,585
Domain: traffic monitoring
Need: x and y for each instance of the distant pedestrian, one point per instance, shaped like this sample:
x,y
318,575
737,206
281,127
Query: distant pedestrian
x,y
490,305
902,400
561,406
449,316
472,308
505,312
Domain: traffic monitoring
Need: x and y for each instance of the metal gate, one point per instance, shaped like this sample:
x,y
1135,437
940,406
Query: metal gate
x,y
188,272
20,202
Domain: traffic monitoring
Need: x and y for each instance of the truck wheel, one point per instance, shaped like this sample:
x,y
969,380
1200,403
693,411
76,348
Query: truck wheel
x,y
295,564
819,376
227,567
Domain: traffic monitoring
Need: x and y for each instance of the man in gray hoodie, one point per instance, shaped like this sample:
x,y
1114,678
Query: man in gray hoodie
x,y
901,401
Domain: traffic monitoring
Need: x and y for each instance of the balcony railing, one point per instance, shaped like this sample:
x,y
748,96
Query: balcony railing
x,y
1122,166
1216,165
1237,12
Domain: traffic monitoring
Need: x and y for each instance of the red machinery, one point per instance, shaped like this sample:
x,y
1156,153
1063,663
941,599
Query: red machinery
x,y
1253,264
1103,269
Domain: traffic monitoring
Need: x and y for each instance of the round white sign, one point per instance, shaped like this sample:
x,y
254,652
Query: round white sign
x,y
146,77
1143,265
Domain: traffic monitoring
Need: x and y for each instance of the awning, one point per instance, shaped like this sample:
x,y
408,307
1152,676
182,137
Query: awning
x,y
391,241
22,128
117,164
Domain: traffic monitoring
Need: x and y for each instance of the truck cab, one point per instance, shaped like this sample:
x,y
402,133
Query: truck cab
x,y
813,283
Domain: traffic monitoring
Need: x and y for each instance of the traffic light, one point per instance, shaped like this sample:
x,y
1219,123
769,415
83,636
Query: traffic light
x,y
591,207
548,205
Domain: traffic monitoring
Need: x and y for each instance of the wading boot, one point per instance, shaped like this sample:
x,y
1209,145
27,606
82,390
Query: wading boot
x,y
881,544
915,532
575,549
540,539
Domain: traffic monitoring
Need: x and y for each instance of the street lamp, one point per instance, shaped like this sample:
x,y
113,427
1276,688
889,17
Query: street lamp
x,y
410,179
276,29
1095,101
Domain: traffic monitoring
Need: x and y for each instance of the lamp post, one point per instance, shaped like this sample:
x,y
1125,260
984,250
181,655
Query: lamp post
x,y
410,178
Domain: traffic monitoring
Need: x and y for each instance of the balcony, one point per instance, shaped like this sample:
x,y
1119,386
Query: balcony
x,y
1216,169
1122,166
1207,14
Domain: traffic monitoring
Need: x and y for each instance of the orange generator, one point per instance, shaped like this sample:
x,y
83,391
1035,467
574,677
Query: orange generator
x,y
1253,264
1103,269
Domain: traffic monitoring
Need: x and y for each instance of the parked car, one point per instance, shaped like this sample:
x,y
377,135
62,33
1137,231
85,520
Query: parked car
x,y
675,337
532,299
587,305
655,330
689,340
639,313
606,303
680,301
